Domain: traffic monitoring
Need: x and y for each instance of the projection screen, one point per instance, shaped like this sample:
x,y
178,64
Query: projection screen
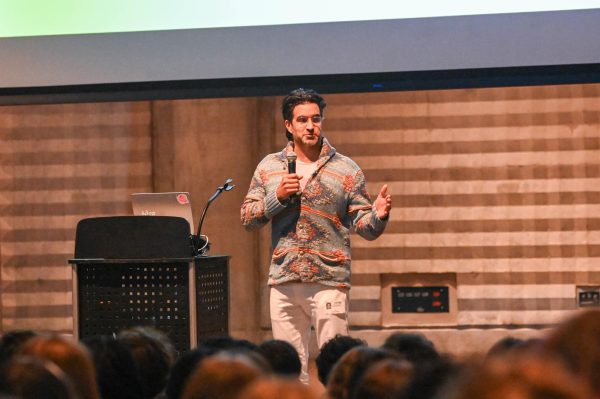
x,y
72,45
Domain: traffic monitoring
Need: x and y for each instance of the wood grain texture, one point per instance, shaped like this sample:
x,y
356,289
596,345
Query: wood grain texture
x,y
60,164
498,186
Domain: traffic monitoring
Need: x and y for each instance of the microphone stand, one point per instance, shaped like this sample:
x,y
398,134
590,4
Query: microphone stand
x,y
201,243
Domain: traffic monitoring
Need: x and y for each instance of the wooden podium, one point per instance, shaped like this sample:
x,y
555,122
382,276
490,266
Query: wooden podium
x,y
140,271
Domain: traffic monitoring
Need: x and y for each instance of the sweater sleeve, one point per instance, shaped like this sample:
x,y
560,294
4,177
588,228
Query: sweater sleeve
x,y
259,205
364,217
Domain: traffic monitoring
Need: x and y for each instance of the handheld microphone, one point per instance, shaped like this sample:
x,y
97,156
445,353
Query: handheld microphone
x,y
291,163
291,160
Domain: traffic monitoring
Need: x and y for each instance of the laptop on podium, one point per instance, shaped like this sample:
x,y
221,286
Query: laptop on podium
x,y
163,204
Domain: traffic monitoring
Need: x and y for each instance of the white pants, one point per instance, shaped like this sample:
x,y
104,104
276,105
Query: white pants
x,y
295,307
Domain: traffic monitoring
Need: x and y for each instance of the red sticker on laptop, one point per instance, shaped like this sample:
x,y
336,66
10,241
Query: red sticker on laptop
x,y
182,199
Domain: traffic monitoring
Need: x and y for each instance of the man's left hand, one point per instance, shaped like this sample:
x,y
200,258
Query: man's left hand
x,y
383,203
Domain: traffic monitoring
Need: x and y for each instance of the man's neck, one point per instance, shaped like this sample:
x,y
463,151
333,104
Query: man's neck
x,y
307,153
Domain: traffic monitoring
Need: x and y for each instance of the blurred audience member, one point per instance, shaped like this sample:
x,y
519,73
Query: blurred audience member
x,y
28,377
230,344
183,368
277,388
577,342
384,380
508,345
235,346
11,341
115,369
222,376
413,347
430,378
350,368
282,357
153,354
332,351
504,345
72,358
523,375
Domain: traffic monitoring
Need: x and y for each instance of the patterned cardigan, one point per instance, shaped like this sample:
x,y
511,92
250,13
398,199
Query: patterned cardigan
x,y
311,237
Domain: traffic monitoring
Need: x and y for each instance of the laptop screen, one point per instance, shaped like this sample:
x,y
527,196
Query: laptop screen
x,y
163,204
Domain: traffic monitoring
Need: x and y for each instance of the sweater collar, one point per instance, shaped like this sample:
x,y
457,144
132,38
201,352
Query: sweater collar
x,y
327,152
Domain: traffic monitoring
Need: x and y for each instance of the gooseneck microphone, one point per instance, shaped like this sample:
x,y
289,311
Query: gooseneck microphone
x,y
200,241
291,161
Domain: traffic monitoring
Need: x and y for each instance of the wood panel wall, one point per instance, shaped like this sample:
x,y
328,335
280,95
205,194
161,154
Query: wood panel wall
x,y
199,144
496,187
59,164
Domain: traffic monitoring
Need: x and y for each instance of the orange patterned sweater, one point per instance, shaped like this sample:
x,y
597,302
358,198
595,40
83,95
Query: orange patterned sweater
x,y
311,238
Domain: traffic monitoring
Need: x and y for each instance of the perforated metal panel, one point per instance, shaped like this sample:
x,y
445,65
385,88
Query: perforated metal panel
x,y
115,296
212,296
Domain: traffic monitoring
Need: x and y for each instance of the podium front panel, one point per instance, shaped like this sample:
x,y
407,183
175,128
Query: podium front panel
x,y
212,296
187,300
116,296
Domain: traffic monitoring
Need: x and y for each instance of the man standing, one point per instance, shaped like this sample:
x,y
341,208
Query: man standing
x,y
312,212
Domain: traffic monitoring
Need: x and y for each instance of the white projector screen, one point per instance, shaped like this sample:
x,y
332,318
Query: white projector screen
x,y
320,39
60,17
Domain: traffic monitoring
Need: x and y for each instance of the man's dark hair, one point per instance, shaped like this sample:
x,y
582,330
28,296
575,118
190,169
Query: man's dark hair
x,y
115,368
183,368
282,357
505,345
432,378
385,379
11,341
153,354
348,371
297,97
228,343
28,377
413,347
332,351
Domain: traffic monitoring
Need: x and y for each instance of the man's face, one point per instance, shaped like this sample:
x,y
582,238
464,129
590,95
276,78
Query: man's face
x,y
305,125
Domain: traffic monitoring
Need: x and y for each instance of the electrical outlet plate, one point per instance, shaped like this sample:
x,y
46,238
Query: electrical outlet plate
x,y
588,296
